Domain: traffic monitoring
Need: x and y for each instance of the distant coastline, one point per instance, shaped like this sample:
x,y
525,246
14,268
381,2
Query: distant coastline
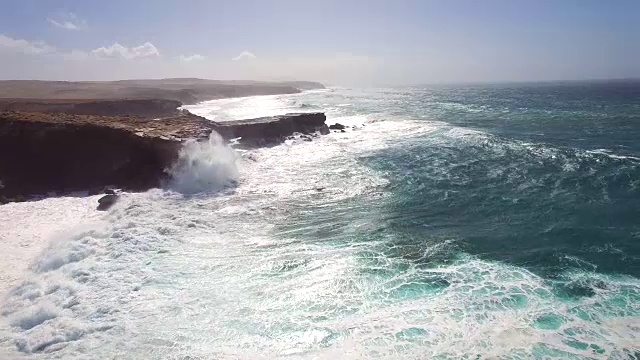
x,y
186,90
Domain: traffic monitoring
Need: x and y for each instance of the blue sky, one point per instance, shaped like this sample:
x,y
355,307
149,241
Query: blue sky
x,y
346,42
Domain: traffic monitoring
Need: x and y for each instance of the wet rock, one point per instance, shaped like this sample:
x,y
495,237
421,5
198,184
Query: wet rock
x,y
110,191
273,129
324,130
107,201
337,126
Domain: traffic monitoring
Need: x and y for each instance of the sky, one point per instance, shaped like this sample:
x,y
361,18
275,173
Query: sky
x,y
337,42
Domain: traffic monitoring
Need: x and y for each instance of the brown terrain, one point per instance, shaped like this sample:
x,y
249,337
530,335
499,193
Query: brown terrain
x,y
186,91
60,137
132,107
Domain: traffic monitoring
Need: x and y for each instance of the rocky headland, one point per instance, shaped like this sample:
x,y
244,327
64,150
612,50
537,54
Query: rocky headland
x,y
57,145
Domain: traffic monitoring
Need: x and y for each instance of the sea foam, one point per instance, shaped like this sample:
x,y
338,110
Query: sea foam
x,y
205,166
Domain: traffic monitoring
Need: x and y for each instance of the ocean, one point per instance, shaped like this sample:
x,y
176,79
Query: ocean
x,y
447,222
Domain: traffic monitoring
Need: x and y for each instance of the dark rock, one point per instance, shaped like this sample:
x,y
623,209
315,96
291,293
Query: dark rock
x,y
110,191
39,155
274,129
107,201
342,130
337,126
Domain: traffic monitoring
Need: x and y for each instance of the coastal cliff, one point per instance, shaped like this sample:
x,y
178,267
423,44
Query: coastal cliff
x,y
42,153
60,136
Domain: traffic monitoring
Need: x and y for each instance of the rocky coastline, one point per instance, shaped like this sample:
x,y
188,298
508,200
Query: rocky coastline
x,y
53,147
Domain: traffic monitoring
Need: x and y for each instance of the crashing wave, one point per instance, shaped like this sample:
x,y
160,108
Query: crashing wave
x,y
204,166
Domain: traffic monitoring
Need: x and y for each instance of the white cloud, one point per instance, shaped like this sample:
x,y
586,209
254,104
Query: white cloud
x,y
76,55
67,21
118,51
47,62
191,58
24,46
21,46
244,55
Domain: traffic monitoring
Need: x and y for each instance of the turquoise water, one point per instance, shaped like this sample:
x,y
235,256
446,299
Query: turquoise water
x,y
451,222
517,182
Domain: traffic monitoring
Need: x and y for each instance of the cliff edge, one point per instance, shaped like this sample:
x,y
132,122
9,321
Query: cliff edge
x,y
42,153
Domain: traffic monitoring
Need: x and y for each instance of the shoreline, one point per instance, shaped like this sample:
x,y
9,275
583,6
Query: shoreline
x,y
66,145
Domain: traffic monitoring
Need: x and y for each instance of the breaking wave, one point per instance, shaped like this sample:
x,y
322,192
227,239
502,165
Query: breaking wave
x,y
207,166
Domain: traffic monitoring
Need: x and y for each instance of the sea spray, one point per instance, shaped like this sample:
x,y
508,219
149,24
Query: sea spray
x,y
204,166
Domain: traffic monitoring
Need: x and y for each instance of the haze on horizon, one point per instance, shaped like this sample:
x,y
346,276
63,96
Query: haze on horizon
x,y
340,42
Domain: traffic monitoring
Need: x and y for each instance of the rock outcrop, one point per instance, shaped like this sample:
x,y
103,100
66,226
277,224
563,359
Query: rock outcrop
x,y
273,129
107,201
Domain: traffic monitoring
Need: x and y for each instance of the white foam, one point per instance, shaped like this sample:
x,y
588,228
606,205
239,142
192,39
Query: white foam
x,y
26,230
245,107
612,155
204,166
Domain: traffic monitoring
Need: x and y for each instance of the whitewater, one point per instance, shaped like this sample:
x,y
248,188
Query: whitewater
x,y
340,247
